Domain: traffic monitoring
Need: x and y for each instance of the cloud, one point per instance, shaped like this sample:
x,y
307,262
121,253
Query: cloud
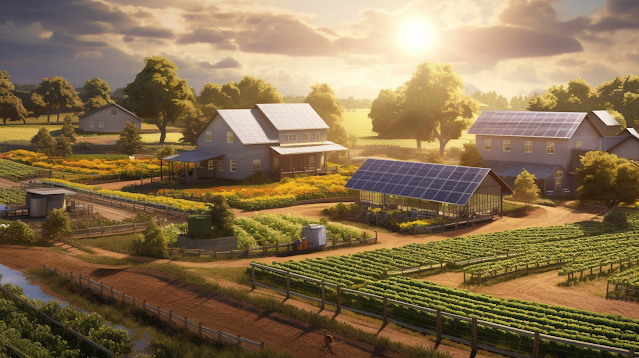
x,y
211,36
62,38
617,15
227,62
88,54
148,31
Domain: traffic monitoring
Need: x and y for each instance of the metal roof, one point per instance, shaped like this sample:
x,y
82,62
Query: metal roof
x,y
633,132
606,118
192,156
327,147
451,184
528,124
249,126
292,116
50,191
107,105
513,169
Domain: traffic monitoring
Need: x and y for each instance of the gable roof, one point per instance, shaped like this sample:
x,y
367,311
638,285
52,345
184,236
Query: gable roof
x,y
606,118
628,133
107,105
452,184
249,125
292,116
513,169
528,124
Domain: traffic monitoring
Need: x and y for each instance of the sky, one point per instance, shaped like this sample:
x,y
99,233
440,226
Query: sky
x,y
358,47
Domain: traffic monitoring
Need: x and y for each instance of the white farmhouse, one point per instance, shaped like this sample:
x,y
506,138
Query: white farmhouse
x,y
109,118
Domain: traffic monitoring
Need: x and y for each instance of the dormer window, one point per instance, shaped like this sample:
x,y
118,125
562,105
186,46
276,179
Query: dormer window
x,y
290,137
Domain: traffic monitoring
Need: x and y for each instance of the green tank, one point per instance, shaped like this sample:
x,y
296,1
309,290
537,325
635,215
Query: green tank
x,y
200,226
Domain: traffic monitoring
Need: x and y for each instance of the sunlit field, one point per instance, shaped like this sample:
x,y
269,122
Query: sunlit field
x,y
357,122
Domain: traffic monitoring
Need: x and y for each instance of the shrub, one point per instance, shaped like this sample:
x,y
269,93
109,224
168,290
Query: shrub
x,y
470,156
257,178
130,140
56,226
222,218
617,218
16,232
407,226
165,151
151,242
340,211
84,145
545,202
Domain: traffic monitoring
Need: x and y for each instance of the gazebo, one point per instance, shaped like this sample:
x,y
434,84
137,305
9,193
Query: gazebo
x,y
187,157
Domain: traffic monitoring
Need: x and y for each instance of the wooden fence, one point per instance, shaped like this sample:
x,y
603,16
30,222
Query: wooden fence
x,y
438,315
203,332
59,324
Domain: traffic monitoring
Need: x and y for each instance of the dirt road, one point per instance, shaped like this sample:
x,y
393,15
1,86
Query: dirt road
x,y
109,212
7,184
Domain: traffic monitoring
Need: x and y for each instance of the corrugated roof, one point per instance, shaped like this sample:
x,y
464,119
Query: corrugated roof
x,y
606,118
107,105
50,191
327,147
513,169
451,184
528,124
192,156
292,116
249,126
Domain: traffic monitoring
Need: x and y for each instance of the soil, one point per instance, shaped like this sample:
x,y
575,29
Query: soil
x,y
217,312
7,184
109,212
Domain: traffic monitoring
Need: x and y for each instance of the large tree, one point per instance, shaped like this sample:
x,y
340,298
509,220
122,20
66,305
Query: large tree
x,y
578,96
607,179
35,104
322,99
130,140
95,87
385,112
94,103
237,95
158,95
57,92
11,107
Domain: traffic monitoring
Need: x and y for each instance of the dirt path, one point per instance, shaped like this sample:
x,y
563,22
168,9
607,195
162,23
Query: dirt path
x,y
7,184
109,212
276,330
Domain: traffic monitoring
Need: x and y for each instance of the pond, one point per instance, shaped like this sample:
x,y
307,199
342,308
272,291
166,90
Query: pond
x,y
33,291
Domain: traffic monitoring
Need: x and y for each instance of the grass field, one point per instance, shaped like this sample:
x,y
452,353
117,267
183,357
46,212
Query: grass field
x,y
357,122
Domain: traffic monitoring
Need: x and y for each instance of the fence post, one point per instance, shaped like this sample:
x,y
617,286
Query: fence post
x,y
101,288
170,316
199,329
385,310
277,245
112,297
247,250
158,311
473,337
185,322
253,276
323,294
288,284
214,254
144,306
339,300
536,346
349,240
439,326
631,353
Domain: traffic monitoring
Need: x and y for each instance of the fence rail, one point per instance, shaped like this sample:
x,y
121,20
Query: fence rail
x,y
474,322
203,332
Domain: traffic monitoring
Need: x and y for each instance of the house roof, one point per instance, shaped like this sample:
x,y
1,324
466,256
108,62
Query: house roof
x,y
50,191
107,105
292,116
451,184
326,147
249,125
611,142
606,118
528,124
192,156
513,169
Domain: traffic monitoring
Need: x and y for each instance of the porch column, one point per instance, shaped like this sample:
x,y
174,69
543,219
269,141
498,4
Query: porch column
x,y
195,165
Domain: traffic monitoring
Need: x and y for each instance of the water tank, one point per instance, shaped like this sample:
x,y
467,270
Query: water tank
x,y
37,207
200,226
315,236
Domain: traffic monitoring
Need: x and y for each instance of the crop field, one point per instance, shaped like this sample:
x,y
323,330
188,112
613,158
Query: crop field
x,y
12,196
628,278
22,134
13,171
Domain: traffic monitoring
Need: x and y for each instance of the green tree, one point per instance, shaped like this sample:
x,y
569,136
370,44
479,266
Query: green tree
x,y
243,95
56,226
193,120
63,146
57,92
618,117
68,130
222,217
621,94
158,95
519,103
291,98
525,189
95,87
94,103
44,142
578,96
165,151
11,107
17,232
35,104
607,179
385,112
151,242
322,99
491,99
470,156
130,140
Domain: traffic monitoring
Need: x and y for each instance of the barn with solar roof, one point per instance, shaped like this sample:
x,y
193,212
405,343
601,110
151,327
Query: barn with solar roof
x,y
456,193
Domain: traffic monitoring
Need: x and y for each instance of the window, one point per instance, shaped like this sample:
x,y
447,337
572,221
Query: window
x,y
209,136
550,147
91,124
307,137
233,165
580,144
229,137
506,145
211,164
220,165
290,137
200,165
488,144
257,164
114,112
317,136
528,146
101,124
311,161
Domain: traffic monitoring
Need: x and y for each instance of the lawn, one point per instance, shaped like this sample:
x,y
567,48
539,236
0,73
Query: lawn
x,y
357,122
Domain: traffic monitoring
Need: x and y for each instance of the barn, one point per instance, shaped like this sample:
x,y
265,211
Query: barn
x,y
453,192
109,118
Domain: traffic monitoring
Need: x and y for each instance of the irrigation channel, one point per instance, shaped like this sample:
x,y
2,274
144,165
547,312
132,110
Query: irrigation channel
x,y
33,291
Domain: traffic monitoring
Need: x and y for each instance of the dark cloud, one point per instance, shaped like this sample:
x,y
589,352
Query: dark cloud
x,y
128,38
62,38
148,31
227,62
211,36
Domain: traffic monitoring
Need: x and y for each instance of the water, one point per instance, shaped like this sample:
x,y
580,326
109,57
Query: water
x,y
35,292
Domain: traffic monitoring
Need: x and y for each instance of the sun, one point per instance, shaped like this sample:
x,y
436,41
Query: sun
x,y
416,35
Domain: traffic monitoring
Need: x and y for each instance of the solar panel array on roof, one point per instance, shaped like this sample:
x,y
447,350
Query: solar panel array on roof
x,y
249,125
450,184
528,124
292,116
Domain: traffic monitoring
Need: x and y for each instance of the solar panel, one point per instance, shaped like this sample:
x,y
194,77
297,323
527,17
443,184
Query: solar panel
x,y
528,124
434,182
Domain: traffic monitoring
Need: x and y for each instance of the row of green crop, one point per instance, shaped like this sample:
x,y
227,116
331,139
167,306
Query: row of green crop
x,y
14,171
628,278
12,196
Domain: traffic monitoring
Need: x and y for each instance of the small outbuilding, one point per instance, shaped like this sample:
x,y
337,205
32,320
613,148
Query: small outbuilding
x,y
109,118
41,201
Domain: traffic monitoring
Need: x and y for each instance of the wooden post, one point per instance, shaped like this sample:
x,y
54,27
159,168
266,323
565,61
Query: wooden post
x,y
439,326
334,241
288,284
631,353
350,240
247,250
185,322
277,246
199,329
473,337
214,254
263,251
323,294
144,306
253,276
385,310
339,300
112,293
607,286
170,316
536,346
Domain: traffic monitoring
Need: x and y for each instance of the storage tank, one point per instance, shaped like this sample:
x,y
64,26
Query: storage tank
x,y
200,226
315,236
37,207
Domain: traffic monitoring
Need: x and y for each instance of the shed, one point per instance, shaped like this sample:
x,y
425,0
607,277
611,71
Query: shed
x,y
41,201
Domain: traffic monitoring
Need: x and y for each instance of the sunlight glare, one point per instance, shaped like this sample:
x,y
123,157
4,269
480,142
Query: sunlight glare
x,y
416,35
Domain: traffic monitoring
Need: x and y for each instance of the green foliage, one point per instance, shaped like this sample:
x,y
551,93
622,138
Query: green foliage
x,y
165,151
83,145
35,104
14,171
11,107
354,103
44,142
409,225
91,220
222,217
491,99
243,95
130,140
341,211
12,196
258,177
124,244
607,179
68,130
57,92
526,190
470,156
63,146
94,103
617,218
193,122
56,226
519,103
17,232
96,87
265,202
323,100
152,242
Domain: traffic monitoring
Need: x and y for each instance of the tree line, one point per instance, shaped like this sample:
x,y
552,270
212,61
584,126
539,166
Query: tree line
x,y
498,101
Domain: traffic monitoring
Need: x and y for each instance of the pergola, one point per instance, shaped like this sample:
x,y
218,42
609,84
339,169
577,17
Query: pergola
x,y
188,157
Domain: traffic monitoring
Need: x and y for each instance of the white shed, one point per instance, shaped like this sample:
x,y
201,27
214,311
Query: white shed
x,y
108,118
